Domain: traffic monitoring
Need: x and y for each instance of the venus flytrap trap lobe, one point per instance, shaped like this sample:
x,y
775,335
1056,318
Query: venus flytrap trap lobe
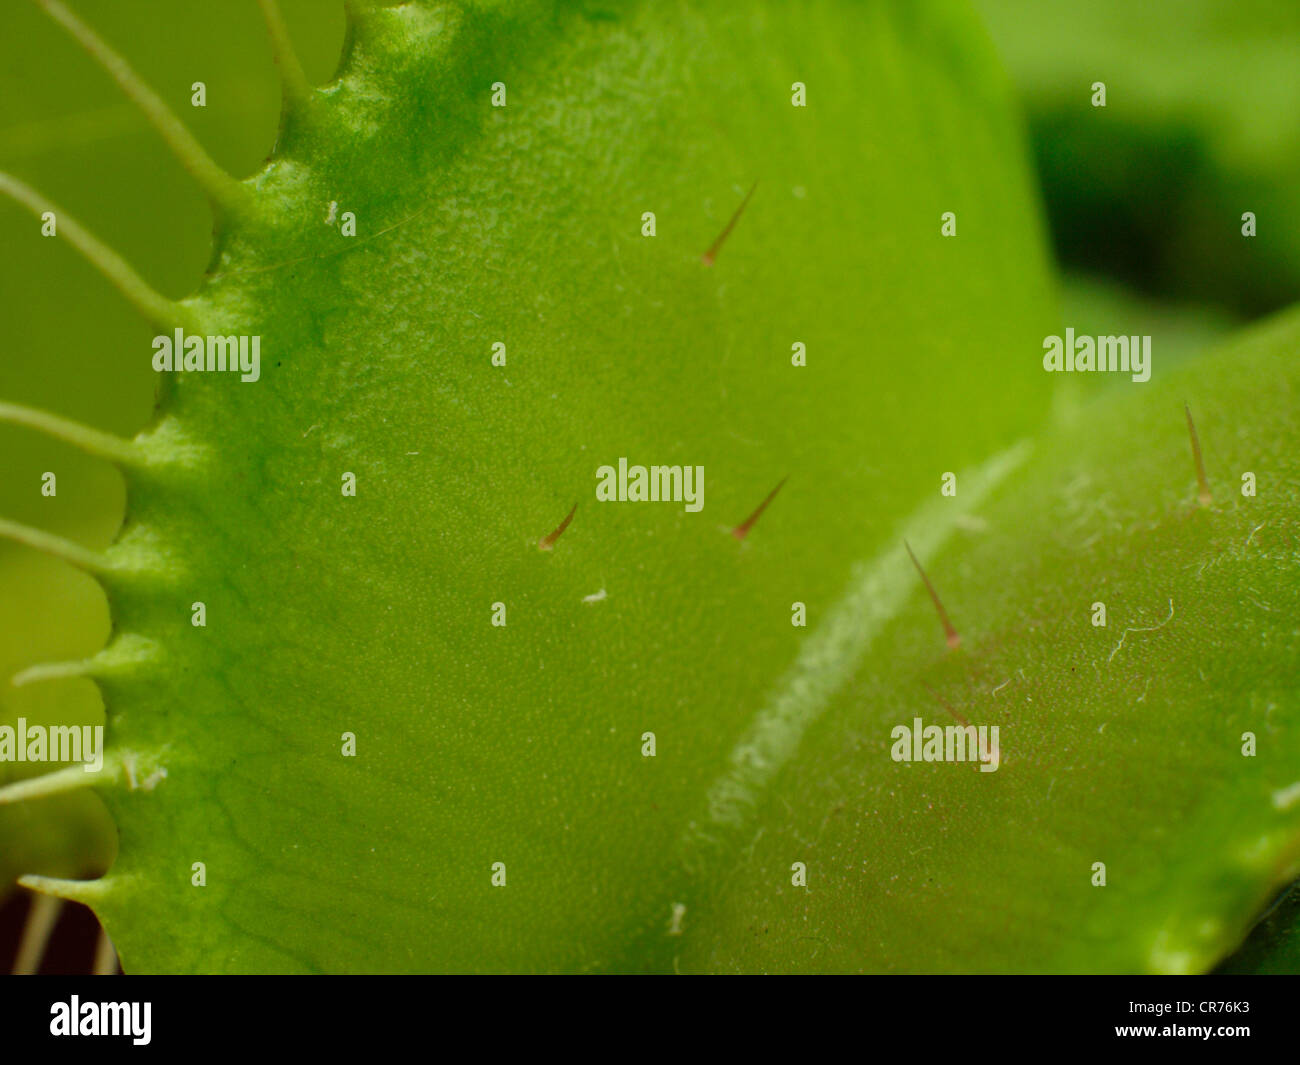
x,y
121,876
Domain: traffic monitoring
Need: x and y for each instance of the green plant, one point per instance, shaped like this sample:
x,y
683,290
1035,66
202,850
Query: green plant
x,y
371,614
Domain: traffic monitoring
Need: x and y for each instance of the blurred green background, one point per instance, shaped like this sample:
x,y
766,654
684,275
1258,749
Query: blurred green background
x,y
1145,196
1144,200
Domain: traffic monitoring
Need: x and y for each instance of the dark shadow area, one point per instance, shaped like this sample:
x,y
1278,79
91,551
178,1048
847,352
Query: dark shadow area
x,y
1150,208
71,947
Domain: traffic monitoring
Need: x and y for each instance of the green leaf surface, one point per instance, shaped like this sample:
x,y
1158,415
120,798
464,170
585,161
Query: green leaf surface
x,y
329,614
1120,744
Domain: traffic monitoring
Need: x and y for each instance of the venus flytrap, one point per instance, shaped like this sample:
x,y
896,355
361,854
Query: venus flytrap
x,y
253,838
